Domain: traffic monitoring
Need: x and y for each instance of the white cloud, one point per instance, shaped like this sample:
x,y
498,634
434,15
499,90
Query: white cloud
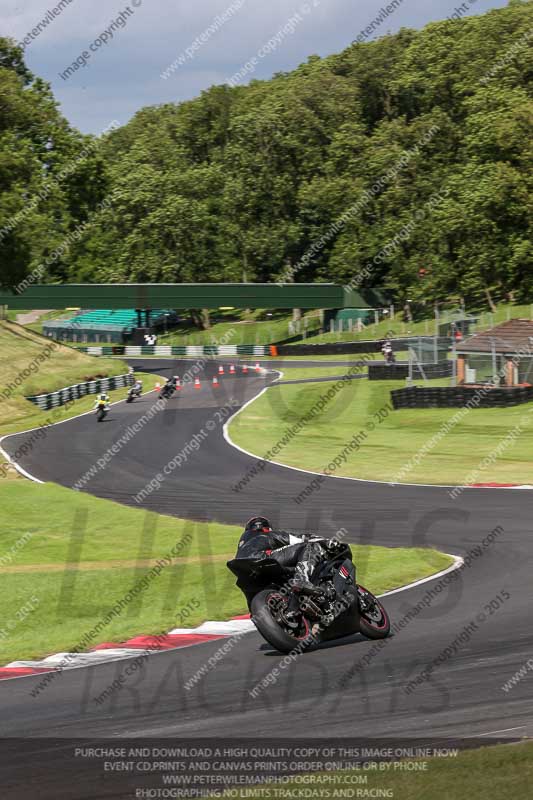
x,y
124,75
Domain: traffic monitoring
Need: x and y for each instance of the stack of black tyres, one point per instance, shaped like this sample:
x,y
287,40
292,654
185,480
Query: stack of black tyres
x,y
460,396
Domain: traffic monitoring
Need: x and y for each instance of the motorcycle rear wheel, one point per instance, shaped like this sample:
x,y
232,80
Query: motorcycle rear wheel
x,y
272,631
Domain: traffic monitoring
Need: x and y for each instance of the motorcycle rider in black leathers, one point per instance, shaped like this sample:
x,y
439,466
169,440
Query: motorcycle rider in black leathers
x,y
304,552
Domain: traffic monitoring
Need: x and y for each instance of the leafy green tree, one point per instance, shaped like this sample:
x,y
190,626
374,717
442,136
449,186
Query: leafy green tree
x,y
329,172
51,176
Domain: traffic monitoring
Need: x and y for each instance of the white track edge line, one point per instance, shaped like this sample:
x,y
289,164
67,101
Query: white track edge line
x,y
458,562
53,424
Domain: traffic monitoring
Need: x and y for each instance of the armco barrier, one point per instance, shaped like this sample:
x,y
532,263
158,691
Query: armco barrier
x,y
178,350
398,372
365,346
340,348
459,396
62,396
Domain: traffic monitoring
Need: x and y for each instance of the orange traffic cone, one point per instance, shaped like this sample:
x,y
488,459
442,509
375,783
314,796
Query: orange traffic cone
x,y
216,384
245,369
257,366
157,387
232,369
178,385
197,383
221,370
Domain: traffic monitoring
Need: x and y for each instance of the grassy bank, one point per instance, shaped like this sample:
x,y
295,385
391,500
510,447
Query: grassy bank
x,y
253,327
424,327
387,448
52,370
303,373
244,328
490,773
117,547
28,366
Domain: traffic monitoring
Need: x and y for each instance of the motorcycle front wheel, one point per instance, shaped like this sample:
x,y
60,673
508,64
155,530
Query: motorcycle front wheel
x,y
267,609
374,622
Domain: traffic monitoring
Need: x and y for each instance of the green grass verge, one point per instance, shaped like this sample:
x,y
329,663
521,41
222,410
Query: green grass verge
x,y
303,373
63,367
250,331
490,773
37,327
252,328
244,329
30,416
424,327
28,368
387,448
12,314
70,601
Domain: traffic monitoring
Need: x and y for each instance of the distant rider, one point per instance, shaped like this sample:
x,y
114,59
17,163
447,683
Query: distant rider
x,y
103,397
388,352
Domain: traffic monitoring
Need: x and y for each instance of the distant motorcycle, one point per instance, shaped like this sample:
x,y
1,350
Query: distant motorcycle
x,y
167,391
135,391
388,353
101,411
341,609
171,386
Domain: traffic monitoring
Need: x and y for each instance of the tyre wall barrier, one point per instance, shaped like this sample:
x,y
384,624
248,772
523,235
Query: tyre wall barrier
x,y
47,401
365,346
460,396
398,372
178,350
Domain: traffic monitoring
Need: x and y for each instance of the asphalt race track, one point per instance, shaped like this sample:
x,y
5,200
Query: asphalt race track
x,y
323,693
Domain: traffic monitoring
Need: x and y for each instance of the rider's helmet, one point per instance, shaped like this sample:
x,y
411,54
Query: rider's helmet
x,y
259,525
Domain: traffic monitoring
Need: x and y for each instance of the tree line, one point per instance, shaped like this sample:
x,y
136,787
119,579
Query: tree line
x,y
402,163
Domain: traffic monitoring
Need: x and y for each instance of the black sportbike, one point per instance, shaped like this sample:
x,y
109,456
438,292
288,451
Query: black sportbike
x,y
167,391
342,607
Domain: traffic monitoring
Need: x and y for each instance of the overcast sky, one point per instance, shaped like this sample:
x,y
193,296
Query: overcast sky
x,y
125,73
